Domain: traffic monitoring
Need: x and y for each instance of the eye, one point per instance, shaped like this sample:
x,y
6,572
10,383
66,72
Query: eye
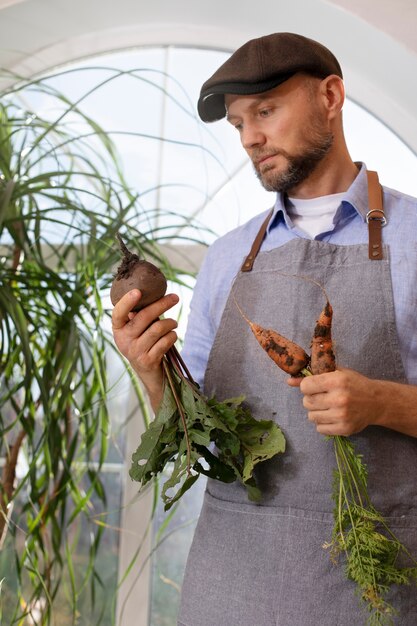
x,y
265,112
238,126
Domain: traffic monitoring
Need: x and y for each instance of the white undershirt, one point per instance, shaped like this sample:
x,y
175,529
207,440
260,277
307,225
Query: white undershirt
x,y
314,215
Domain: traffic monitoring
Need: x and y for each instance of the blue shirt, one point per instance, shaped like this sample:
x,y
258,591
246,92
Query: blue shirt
x,y
225,256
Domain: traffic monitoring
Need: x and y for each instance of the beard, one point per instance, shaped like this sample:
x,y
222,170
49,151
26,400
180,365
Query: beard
x,y
299,166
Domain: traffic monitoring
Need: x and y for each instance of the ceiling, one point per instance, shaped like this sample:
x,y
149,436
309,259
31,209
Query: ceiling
x,y
374,39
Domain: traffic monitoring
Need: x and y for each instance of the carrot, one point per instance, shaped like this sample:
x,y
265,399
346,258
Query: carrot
x,y
322,355
288,355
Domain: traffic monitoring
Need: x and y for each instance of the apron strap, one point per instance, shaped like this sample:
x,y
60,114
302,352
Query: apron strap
x,y
375,218
250,259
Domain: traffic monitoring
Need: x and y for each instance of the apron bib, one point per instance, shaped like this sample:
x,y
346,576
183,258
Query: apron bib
x,y
264,564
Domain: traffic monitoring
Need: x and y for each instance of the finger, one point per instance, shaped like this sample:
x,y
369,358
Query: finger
x,y
122,310
146,351
161,347
333,429
316,402
146,316
320,417
150,360
325,429
155,332
294,381
319,383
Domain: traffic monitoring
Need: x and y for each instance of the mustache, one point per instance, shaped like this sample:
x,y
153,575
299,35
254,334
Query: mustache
x,y
257,156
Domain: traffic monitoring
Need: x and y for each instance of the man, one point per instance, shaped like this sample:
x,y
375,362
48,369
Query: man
x,y
264,565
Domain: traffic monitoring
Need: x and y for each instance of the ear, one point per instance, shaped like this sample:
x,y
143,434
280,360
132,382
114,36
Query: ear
x,y
332,91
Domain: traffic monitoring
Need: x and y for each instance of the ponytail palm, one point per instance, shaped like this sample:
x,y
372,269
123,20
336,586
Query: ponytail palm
x,y
63,199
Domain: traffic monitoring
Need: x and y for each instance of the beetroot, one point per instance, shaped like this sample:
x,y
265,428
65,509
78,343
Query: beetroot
x,y
136,273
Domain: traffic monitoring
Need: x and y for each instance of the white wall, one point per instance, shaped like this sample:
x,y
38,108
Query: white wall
x,y
373,39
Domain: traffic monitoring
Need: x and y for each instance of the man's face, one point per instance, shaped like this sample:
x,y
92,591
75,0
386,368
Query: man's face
x,y
285,131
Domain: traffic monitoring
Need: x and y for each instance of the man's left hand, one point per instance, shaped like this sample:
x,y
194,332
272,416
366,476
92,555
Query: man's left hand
x,y
343,402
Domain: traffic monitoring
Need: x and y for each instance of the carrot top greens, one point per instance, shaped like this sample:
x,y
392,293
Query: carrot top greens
x,y
362,534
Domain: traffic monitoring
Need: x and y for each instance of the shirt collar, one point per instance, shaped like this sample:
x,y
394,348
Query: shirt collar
x,y
356,196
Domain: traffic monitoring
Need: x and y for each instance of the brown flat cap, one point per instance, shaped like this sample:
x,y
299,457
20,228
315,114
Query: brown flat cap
x,y
262,64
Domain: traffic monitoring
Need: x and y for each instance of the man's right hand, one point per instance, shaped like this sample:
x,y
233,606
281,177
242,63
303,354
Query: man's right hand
x,y
143,338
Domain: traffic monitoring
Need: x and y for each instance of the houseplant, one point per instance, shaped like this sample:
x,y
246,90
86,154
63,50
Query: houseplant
x,y
63,198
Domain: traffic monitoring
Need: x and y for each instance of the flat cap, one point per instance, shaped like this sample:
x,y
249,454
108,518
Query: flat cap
x,y
262,64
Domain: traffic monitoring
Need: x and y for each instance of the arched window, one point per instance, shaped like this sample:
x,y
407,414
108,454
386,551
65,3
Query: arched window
x,y
146,101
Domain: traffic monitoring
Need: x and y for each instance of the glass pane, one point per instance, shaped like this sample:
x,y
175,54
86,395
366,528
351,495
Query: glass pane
x,y
95,606
172,547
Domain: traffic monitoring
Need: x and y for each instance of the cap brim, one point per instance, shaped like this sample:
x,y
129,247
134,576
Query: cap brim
x,y
211,105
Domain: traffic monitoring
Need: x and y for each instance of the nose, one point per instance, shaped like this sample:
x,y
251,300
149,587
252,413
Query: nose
x,y
251,136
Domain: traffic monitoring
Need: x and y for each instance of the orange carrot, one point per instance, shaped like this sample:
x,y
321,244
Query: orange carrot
x,y
288,355
322,355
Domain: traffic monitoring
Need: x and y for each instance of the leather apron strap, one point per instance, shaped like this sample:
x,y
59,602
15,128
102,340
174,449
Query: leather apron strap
x,y
250,259
375,218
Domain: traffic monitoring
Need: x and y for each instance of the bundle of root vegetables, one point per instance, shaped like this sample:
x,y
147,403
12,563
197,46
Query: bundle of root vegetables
x,y
360,532
180,441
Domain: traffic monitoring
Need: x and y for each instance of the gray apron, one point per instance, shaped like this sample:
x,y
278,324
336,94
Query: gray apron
x,y
264,564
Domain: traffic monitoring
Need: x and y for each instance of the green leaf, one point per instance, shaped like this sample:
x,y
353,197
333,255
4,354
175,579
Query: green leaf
x,y
254,493
14,309
147,451
187,484
167,408
261,441
7,206
229,443
199,437
189,403
217,469
187,435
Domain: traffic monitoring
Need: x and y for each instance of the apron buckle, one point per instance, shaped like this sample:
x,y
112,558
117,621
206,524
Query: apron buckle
x,y
381,219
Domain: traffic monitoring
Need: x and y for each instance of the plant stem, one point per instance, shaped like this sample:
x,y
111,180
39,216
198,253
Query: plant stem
x,y
180,360
8,479
166,366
